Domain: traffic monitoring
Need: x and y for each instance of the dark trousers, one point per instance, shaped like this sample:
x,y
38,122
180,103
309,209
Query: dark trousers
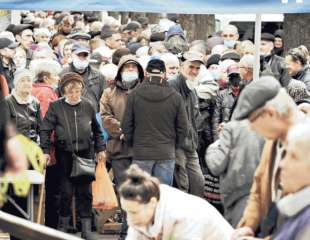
x,y
52,197
119,167
80,186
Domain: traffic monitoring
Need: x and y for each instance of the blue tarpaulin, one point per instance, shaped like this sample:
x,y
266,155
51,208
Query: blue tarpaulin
x,y
164,6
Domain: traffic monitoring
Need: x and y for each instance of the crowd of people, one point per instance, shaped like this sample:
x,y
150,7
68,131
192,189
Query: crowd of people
x,y
183,125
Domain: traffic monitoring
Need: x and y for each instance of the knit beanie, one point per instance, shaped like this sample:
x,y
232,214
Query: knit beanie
x,y
68,78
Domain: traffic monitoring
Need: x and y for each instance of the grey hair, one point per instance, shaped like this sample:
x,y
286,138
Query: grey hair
x,y
230,27
247,61
283,103
19,74
299,135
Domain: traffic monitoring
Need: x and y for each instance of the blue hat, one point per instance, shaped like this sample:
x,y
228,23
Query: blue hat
x,y
80,48
175,30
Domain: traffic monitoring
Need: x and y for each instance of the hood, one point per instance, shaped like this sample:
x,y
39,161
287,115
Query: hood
x,y
125,59
154,91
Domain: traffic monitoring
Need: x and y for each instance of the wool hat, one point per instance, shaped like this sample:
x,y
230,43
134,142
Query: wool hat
x,y
213,59
68,78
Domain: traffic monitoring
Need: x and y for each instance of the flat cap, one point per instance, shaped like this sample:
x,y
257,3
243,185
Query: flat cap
x,y
267,37
193,56
256,95
7,43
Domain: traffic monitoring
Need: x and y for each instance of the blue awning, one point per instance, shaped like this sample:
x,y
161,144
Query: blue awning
x,y
164,6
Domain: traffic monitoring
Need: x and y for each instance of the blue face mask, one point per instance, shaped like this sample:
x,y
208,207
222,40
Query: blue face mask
x,y
216,75
229,43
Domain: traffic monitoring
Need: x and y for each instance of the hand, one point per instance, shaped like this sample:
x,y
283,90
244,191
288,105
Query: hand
x,y
242,232
101,156
122,137
48,159
221,126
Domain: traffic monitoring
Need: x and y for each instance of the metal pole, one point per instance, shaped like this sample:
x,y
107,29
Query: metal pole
x,y
258,27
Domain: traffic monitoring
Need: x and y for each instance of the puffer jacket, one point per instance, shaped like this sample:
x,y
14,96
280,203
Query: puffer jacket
x,y
94,84
190,99
234,157
224,103
112,108
304,76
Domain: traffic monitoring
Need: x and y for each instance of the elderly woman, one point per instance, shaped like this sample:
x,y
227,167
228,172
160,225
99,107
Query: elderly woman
x,y
76,131
24,109
46,81
153,211
297,65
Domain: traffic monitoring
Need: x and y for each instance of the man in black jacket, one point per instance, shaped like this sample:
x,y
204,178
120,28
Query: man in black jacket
x,y
272,61
188,174
155,123
93,80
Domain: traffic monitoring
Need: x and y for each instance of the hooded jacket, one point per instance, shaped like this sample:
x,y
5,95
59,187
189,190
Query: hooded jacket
x,y
112,108
155,121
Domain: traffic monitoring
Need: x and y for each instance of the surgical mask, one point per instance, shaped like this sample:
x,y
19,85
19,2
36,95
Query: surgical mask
x,y
129,79
80,64
216,75
191,84
229,43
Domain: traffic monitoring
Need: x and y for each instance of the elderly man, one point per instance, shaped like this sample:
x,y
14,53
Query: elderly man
x,y
246,65
7,52
271,113
295,207
272,61
230,36
188,174
93,79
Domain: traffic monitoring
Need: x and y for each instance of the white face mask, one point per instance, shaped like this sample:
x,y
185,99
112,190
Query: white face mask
x,y
130,79
80,64
192,83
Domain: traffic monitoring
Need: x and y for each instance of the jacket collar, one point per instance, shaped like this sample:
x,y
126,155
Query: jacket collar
x,y
292,204
29,99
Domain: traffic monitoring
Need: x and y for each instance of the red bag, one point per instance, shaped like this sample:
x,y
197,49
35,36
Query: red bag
x,y
104,196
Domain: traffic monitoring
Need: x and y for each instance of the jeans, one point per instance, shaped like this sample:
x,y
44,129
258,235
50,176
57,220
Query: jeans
x,y
188,173
162,169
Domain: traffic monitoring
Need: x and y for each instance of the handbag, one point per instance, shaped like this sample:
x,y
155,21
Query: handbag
x,y
80,166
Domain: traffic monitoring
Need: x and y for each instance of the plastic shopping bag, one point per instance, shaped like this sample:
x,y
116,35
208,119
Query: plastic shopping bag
x,y
104,196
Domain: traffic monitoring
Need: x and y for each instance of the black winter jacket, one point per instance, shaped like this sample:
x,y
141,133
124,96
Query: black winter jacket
x,y
190,99
26,117
223,108
155,121
85,130
94,84
278,69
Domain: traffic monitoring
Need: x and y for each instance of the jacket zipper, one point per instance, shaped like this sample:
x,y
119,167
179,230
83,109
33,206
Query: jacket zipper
x,y
76,132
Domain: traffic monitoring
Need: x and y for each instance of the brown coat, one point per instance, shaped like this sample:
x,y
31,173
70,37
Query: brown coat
x,y
260,196
112,108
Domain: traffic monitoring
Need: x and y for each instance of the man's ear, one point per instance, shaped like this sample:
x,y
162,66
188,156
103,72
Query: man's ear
x,y
18,38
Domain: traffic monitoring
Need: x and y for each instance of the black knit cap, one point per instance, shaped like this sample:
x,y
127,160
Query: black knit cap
x,y
156,66
213,59
68,78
